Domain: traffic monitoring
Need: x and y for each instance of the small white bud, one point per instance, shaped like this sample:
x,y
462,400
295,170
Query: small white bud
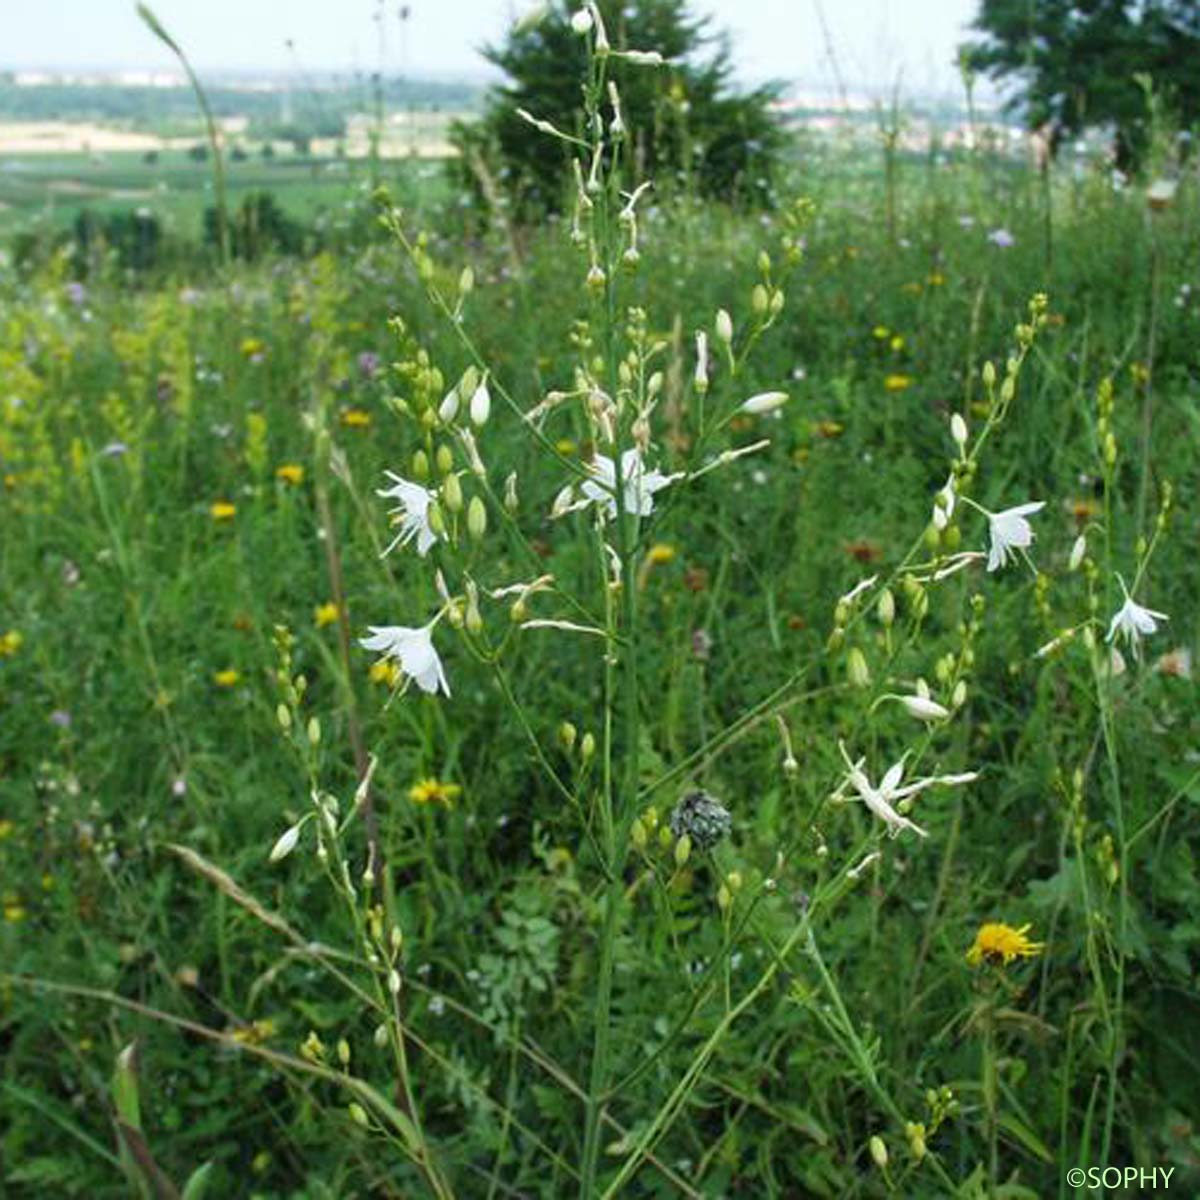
x,y
286,844
481,403
724,326
1078,550
924,709
581,22
701,361
764,402
448,409
958,430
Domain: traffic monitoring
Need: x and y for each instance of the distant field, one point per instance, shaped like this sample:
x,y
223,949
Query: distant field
x,y
51,170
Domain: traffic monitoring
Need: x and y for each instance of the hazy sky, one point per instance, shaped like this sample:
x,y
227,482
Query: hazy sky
x,y
873,40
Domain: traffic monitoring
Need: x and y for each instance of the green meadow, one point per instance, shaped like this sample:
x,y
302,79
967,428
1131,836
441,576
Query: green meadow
x,y
412,995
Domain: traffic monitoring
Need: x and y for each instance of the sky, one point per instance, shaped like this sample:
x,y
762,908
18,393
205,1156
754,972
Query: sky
x,y
876,43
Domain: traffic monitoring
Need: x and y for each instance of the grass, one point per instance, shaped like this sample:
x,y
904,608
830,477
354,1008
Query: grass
x,y
776,1003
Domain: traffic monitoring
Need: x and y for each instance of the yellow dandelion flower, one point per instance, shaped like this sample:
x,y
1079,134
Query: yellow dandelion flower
x,y
565,446
290,473
356,418
998,943
385,671
222,510
252,346
897,383
10,643
14,913
325,614
227,678
881,333
431,791
897,342
661,553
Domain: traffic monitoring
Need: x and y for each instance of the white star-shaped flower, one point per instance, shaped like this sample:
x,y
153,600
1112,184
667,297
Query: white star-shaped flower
x,y
881,800
412,508
1010,532
1133,621
943,505
640,484
413,650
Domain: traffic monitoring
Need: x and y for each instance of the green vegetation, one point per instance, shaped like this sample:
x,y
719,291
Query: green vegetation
x,y
1079,66
697,131
501,946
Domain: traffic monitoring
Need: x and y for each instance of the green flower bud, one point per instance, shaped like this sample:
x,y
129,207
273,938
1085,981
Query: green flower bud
x,y
476,518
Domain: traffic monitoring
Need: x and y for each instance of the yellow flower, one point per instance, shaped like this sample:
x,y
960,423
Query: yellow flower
x,y
355,418
325,614
222,510
897,383
10,643
828,429
999,943
937,279
290,473
227,678
252,346
385,671
660,553
6,829
254,1034
430,791
897,342
565,446
881,332
14,912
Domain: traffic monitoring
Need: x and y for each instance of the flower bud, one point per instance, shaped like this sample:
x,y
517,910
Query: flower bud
x,y
566,736
683,850
759,300
856,668
476,518
481,404
886,608
511,503
358,1115
420,466
924,709
724,326
764,402
879,1154
959,696
444,459
466,282
958,430
989,375
1078,550
581,22
448,409
284,716
468,383
637,834
285,845
587,747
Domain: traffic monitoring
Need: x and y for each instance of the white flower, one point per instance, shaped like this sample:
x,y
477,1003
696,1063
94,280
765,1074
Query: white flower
x,y
1078,550
1010,532
413,511
1133,621
413,650
880,800
958,430
943,505
640,484
581,21
448,409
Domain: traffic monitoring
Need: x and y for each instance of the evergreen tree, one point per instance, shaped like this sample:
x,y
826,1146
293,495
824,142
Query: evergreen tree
x,y
1077,64
688,125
